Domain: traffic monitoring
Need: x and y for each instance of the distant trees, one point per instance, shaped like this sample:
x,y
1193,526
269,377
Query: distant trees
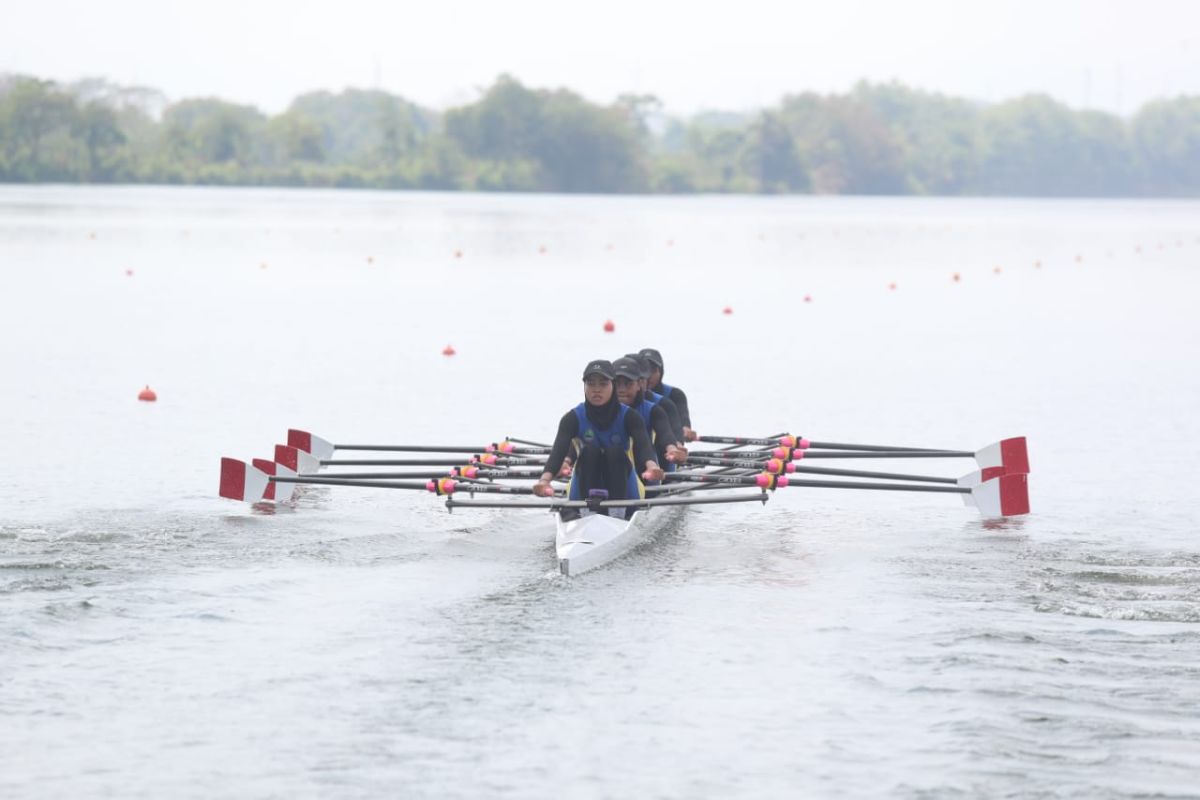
x,y
556,140
874,139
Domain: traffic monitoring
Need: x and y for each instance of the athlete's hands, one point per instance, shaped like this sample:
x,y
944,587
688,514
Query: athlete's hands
x,y
565,470
676,454
543,489
689,434
653,472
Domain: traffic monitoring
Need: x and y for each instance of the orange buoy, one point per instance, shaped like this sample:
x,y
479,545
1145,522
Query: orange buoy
x,y
147,395
449,350
609,327
727,310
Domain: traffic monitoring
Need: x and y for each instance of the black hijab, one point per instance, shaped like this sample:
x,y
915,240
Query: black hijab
x,y
603,416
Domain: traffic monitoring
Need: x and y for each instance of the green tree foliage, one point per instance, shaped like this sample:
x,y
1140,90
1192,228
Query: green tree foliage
x,y
874,139
565,143
1166,146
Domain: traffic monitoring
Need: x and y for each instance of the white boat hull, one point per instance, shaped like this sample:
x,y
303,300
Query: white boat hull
x,y
594,540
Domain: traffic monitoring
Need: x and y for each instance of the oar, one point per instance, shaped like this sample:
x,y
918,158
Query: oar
x,y
554,505
323,448
1012,452
461,473
438,486
489,459
1003,496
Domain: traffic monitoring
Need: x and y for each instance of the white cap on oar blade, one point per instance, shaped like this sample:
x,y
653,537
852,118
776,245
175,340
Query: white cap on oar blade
x,y
279,492
296,460
240,481
1005,496
315,445
1011,454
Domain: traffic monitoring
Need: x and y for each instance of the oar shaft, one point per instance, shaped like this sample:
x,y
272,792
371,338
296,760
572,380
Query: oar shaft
x,y
425,462
882,448
885,487
482,473
459,486
858,473
890,454
552,505
432,448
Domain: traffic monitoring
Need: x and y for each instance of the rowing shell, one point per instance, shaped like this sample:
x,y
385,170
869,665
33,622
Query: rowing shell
x,y
594,540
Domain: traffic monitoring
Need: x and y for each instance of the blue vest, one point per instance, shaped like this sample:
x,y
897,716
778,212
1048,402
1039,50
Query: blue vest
x,y
666,390
645,409
614,435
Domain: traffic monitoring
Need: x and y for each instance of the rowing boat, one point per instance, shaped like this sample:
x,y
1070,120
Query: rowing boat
x,y
733,474
594,540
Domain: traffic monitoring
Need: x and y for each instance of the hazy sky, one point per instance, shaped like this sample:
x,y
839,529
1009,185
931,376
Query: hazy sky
x,y
1110,54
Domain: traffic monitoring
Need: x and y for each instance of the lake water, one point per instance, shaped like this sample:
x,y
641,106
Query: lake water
x,y
157,641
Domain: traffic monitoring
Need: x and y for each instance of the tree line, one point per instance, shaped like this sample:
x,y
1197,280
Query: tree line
x,y
873,139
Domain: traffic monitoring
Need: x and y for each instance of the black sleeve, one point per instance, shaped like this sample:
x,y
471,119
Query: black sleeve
x,y
673,415
680,401
643,451
660,423
568,429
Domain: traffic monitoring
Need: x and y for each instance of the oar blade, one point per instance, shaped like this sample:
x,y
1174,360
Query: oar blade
x,y
296,460
1005,496
279,492
315,446
240,481
1011,454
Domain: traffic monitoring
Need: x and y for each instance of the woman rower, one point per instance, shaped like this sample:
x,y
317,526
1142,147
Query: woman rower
x,y
610,440
672,393
655,397
630,382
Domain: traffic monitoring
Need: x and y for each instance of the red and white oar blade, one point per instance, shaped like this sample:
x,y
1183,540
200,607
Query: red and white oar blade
x,y
1005,496
240,481
314,445
279,492
1011,454
973,479
296,460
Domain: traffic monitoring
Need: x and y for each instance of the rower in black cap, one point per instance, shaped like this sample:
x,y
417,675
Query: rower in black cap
x,y
672,393
630,382
609,439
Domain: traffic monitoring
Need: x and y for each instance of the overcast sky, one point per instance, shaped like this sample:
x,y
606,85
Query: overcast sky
x,y
1108,54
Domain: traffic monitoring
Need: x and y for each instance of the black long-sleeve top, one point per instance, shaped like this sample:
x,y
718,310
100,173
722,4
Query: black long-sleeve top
x,y
681,403
668,405
663,434
568,429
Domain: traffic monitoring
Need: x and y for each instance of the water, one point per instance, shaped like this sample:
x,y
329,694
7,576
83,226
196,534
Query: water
x,y
158,641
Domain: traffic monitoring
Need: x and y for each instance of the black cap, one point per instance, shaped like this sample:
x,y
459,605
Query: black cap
x,y
627,367
643,363
599,367
652,355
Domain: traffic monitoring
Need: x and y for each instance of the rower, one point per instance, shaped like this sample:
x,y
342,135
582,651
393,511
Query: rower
x,y
672,393
610,439
630,383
